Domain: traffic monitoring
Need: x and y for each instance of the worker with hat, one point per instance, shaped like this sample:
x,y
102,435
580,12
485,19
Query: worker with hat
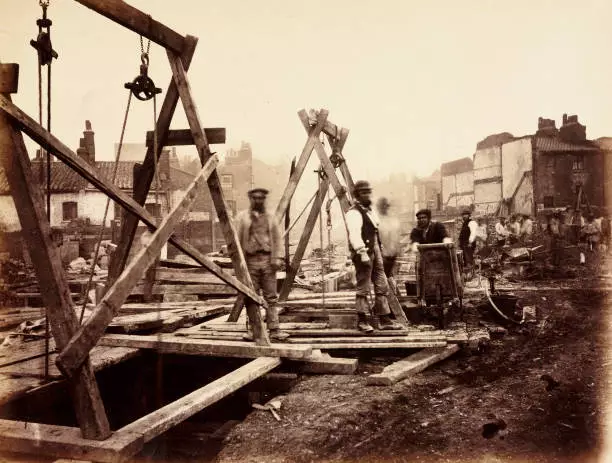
x,y
364,243
260,238
467,240
390,236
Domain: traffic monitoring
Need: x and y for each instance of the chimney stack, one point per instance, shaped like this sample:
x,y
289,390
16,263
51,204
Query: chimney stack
x,y
572,131
546,128
87,146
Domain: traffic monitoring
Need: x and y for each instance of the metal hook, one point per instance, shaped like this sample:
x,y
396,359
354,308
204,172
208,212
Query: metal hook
x,y
144,59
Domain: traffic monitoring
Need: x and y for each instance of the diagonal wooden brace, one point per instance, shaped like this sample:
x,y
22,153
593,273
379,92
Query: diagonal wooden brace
x,y
313,137
260,334
91,174
77,350
313,215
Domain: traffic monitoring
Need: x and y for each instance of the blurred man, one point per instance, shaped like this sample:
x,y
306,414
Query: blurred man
x,y
501,232
364,242
390,235
260,238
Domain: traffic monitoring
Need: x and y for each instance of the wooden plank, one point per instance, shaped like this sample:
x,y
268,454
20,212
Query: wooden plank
x,y
9,77
365,339
91,174
313,136
381,345
313,215
76,351
147,170
65,442
325,364
414,363
12,388
161,420
47,263
101,357
137,21
170,344
137,308
260,334
205,289
183,137
152,320
239,327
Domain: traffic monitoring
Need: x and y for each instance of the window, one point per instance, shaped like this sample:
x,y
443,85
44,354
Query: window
x,y
549,201
227,181
578,163
154,209
69,210
231,206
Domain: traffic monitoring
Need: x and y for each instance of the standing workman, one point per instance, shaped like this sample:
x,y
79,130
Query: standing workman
x,y
364,242
467,240
260,238
390,236
501,232
427,231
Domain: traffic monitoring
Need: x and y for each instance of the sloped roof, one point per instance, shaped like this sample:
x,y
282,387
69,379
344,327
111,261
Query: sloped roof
x,y
456,167
604,143
556,145
66,180
494,140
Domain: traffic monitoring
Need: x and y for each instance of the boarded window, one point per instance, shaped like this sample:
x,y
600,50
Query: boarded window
x,y
549,201
69,210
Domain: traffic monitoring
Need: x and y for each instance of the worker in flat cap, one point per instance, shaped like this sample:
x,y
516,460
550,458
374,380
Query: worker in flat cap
x,y
427,231
364,243
260,238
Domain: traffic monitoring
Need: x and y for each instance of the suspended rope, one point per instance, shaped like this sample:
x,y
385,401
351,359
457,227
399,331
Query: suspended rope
x,y
321,242
45,53
301,213
92,270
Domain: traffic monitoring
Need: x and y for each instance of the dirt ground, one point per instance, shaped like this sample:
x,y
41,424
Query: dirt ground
x,y
439,414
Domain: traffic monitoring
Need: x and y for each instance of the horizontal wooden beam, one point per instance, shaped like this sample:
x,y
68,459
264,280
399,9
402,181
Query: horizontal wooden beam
x,y
169,344
77,350
137,21
412,364
9,77
66,442
382,345
158,422
215,136
91,174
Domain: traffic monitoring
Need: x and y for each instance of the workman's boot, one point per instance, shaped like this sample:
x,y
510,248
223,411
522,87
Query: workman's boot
x,y
387,324
363,324
277,335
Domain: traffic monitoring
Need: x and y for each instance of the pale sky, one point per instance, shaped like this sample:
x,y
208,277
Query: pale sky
x,y
416,82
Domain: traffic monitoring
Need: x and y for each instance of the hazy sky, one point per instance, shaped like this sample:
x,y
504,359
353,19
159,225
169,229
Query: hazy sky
x,y
416,82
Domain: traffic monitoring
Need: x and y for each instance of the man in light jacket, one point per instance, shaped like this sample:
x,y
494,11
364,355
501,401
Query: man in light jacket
x,y
364,242
260,239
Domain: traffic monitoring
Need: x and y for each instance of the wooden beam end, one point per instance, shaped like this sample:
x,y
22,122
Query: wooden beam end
x,y
9,77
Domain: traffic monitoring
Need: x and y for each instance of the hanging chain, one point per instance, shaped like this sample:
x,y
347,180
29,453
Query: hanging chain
x,y
142,51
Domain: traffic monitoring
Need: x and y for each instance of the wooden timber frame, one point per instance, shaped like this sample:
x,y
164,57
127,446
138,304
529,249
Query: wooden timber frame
x,y
336,137
75,341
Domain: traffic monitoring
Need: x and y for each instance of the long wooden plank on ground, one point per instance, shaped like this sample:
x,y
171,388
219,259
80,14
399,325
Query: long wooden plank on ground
x,y
260,334
65,442
183,137
135,20
381,345
170,344
415,363
89,333
45,257
156,423
313,136
209,289
313,215
323,363
129,222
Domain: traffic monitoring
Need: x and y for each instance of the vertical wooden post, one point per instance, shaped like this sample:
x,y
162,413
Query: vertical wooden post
x,y
288,223
260,334
54,289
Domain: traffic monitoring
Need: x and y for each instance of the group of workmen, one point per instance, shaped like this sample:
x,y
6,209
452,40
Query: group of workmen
x,y
374,238
374,243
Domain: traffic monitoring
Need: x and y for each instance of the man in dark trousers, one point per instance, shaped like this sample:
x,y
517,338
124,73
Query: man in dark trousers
x,y
427,231
364,243
467,240
260,238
